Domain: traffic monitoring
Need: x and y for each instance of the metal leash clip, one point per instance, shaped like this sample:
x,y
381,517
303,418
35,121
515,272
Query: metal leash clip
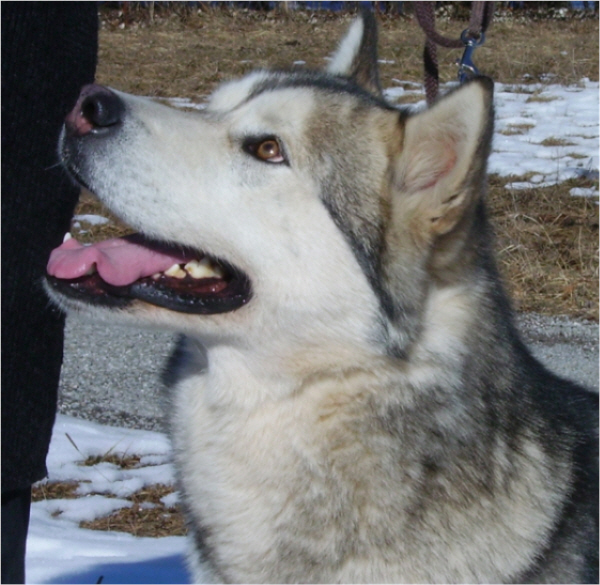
x,y
466,67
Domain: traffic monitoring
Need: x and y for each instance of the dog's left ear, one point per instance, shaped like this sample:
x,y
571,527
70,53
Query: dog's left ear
x,y
439,171
356,56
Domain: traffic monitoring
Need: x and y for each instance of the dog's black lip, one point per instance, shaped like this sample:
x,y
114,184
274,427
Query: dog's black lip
x,y
74,173
236,295
76,289
93,290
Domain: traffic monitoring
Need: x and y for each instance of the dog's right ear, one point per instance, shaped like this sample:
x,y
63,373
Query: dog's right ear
x,y
443,157
356,56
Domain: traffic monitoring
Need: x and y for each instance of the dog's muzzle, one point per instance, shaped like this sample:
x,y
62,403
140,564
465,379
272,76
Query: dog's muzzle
x,y
107,273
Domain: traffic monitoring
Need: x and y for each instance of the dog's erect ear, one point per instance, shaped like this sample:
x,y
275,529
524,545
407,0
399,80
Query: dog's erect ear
x,y
444,152
356,56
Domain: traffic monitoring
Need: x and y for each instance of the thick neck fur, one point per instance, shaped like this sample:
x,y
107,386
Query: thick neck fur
x,y
457,301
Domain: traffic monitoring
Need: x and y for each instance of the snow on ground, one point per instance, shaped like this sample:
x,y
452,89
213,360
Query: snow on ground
x,y
91,219
58,551
86,220
547,132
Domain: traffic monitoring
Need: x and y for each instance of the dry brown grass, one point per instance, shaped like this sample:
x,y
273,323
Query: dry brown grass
x,y
547,244
186,53
147,516
88,204
55,490
124,462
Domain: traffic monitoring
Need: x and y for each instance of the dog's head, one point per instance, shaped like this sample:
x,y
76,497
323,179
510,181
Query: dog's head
x,y
297,201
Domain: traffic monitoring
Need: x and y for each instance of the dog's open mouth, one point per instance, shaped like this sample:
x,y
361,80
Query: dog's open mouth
x,y
117,271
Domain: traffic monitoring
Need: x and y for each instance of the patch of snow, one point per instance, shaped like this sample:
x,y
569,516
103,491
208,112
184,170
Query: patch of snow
x,y
91,219
170,500
59,551
583,192
556,125
81,509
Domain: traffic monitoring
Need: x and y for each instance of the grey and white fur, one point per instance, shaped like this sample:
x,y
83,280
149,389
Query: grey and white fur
x,y
369,413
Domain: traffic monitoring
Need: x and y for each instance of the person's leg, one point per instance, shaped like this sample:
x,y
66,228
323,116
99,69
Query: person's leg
x,y
49,52
15,521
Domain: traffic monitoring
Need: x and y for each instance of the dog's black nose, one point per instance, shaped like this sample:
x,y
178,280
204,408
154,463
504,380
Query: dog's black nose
x,y
98,111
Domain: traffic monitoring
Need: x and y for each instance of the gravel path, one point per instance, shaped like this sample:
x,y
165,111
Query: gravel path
x,y
111,374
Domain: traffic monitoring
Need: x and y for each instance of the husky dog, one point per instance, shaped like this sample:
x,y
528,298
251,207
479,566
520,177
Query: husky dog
x,y
351,401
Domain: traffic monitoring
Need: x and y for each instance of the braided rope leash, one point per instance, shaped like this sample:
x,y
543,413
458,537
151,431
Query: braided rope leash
x,y
471,38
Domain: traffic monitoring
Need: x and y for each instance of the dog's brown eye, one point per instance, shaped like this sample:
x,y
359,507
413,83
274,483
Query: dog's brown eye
x,y
268,150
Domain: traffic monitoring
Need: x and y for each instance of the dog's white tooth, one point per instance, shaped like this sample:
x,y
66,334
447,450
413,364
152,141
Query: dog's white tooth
x,y
176,271
201,269
67,237
215,268
91,270
156,275
219,273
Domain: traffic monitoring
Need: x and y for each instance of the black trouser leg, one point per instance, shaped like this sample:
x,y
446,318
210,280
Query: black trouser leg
x,y
15,522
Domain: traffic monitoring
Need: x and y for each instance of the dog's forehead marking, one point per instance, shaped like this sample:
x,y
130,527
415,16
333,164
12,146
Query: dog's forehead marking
x,y
233,93
285,113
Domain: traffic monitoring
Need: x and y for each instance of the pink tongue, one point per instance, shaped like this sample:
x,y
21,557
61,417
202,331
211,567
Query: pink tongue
x,y
119,261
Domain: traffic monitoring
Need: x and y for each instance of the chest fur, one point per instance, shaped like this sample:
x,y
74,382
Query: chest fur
x,y
322,487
